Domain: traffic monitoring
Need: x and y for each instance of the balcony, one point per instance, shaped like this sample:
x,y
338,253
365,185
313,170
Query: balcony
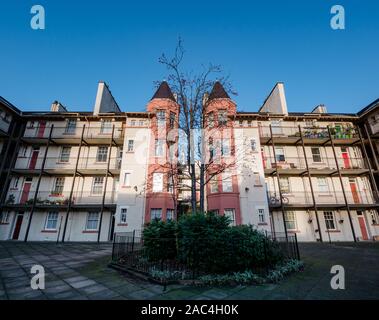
x,y
55,166
326,166
311,135
298,199
92,135
50,199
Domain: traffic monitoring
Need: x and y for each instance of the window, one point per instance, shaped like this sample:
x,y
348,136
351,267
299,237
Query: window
x,y
227,185
230,213
15,182
161,118
31,125
130,145
276,127
170,183
211,120
172,120
261,216
51,221
97,186
23,150
133,123
58,186
170,214
290,219
65,154
249,123
70,126
225,147
102,153
253,145
123,214
156,214
157,182
329,220
322,185
92,221
222,118
106,126
127,179
211,149
257,179
159,145
279,154
214,184
284,185
374,217
316,155
4,217
141,123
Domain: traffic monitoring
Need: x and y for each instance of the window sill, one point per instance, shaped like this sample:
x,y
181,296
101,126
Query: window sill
x,y
262,224
3,223
126,187
90,231
333,231
122,224
48,231
258,185
293,231
375,224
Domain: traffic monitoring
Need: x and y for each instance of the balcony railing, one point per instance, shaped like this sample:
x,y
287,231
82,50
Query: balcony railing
x,y
309,132
59,163
321,198
64,132
46,198
324,163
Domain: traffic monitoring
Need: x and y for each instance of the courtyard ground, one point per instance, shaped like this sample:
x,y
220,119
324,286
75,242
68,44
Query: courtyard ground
x,y
79,271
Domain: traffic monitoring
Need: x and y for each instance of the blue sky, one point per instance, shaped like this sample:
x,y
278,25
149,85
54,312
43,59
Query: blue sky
x,y
257,42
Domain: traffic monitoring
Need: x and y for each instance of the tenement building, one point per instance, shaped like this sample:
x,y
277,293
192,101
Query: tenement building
x,y
82,176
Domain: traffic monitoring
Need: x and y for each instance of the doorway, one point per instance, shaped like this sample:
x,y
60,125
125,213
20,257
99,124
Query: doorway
x,y
17,227
346,158
362,225
34,158
354,191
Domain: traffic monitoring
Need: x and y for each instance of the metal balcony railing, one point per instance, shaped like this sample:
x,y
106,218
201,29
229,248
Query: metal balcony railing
x,y
321,163
321,198
53,198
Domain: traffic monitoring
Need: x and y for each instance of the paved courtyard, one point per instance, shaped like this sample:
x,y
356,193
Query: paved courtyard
x,y
79,271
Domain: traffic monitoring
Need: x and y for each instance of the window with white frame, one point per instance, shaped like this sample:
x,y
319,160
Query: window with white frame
x,y
322,183
222,117
227,184
65,154
159,147
329,220
374,216
157,182
127,179
279,154
214,184
230,213
97,185
23,150
16,181
130,145
316,154
253,144
170,214
123,215
70,126
133,123
141,123
156,214
211,120
225,147
170,183
58,186
102,153
51,221
161,118
106,126
257,179
4,217
290,220
261,216
172,120
92,221
285,185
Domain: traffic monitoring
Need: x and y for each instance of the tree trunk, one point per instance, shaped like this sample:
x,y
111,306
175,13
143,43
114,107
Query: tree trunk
x,y
202,187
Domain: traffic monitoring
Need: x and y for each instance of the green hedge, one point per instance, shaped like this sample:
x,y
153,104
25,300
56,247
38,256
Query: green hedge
x,y
205,242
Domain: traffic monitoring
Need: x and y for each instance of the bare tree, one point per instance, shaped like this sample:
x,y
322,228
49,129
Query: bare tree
x,y
191,89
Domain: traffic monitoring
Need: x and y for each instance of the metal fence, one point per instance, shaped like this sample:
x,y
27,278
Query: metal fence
x,y
129,252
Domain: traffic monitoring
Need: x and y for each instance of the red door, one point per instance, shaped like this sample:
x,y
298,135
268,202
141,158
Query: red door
x,y
17,227
346,159
354,192
263,159
362,225
41,129
25,192
33,159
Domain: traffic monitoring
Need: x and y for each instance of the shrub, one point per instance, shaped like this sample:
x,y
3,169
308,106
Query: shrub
x,y
160,240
